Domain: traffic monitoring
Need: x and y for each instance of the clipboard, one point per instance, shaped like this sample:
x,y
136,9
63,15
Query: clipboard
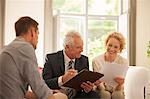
x,y
83,76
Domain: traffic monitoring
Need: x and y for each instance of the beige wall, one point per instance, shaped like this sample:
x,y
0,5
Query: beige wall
x,y
1,21
143,32
18,8
35,9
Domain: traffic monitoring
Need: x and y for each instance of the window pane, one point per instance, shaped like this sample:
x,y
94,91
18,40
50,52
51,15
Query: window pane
x,y
69,6
97,31
67,24
104,7
125,5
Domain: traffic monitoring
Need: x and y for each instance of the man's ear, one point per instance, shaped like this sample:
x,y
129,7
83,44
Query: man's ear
x,y
32,32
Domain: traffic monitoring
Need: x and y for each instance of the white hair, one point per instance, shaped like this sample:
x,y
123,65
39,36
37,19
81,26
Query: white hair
x,y
69,38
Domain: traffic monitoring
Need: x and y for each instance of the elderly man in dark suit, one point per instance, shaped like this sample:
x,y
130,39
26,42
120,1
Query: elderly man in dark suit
x,y
56,69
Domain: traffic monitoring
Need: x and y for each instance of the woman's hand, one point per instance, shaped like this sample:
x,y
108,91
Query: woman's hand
x,y
119,80
87,86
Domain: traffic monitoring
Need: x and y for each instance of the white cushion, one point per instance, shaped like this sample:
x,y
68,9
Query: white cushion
x,y
135,80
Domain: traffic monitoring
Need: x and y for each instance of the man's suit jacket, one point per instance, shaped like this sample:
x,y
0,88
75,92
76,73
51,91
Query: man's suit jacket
x,y
54,67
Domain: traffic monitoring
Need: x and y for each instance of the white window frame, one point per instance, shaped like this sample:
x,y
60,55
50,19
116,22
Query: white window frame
x,y
59,15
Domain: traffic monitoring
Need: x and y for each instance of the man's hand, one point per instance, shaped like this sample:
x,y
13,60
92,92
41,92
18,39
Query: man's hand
x,y
68,75
56,91
30,95
97,82
87,86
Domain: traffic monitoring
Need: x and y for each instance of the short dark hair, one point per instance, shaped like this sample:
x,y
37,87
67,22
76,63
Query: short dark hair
x,y
23,24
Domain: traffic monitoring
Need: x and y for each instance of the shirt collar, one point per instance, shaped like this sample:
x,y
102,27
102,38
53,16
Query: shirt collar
x,y
66,58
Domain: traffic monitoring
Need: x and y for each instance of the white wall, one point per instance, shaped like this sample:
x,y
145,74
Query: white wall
x,y
40,10
143,32
18,8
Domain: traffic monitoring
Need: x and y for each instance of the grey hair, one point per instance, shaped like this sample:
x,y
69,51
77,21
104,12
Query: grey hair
x,y
69,38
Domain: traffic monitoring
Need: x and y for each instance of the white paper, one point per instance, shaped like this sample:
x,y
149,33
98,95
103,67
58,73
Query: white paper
x,y
112,70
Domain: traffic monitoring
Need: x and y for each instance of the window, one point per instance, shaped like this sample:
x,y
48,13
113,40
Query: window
x,y
93,19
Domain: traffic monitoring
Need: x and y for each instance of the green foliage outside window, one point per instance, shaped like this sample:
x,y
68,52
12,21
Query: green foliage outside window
x,y
148,49
69,6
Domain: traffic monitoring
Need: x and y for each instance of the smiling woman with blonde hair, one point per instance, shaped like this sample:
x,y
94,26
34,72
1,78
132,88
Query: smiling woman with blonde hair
x,y
114,44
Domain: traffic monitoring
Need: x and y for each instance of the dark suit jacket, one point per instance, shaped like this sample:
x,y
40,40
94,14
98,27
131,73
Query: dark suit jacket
x,y
54,67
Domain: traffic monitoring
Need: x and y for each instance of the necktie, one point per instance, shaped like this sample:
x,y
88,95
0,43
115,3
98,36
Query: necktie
x,y
70,66
70,91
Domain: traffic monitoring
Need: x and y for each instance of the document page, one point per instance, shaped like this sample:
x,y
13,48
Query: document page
x,y
112,70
